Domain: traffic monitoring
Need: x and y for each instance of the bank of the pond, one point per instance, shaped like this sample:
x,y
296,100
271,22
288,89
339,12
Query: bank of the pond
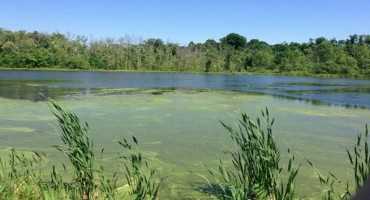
x,y
254,72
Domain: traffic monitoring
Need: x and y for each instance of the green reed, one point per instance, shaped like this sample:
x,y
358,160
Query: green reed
x,y
359,159
329,184
21,176
256,171
140,177
78,147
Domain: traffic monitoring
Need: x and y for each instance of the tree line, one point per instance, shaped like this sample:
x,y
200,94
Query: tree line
x,y
232,53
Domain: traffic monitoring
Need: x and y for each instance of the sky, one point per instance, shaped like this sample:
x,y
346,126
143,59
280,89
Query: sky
x,y
182,21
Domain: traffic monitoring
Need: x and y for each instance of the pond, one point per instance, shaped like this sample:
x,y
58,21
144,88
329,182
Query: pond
x,y
176,118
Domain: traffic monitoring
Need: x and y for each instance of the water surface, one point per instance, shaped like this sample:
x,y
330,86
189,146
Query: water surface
x,y
179,126
347,92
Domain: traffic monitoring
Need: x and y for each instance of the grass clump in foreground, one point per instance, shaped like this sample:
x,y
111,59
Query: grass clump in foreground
x,y
359,159
21,176
141,179
78,148
256,171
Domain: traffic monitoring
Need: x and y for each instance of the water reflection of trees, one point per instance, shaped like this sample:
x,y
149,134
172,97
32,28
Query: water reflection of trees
x,y
34,92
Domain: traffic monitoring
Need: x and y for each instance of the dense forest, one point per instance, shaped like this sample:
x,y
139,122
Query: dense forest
x,y
232,53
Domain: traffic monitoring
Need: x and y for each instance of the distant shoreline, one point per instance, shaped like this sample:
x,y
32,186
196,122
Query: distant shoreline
x,y
271,73
231,54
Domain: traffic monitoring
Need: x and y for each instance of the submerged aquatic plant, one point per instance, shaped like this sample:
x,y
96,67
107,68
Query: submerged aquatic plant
x,y
256,172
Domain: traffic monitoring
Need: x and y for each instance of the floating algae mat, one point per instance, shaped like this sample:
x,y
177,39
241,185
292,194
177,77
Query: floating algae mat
x,y
180,133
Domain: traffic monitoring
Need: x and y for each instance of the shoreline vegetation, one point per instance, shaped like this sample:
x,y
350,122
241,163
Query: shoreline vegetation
x,y
253,168
233,53
264,72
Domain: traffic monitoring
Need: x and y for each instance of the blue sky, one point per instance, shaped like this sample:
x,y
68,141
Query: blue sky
x,y
191,20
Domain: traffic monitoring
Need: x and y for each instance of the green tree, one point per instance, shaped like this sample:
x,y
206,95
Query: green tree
x,y
234,40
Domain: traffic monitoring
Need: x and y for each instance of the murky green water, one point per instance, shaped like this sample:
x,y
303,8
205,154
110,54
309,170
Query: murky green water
x,y
179,129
